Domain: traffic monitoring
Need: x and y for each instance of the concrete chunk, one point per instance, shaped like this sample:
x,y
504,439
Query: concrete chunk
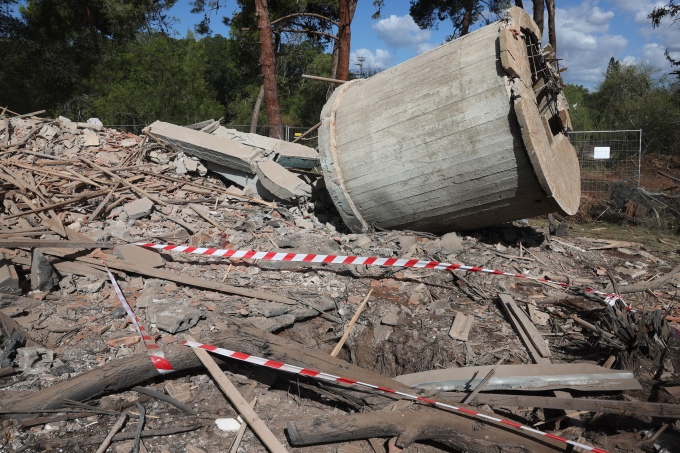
x,y
138,255
174,318
138,208
292,155
281,182
210,148
43,276
9,280
90,138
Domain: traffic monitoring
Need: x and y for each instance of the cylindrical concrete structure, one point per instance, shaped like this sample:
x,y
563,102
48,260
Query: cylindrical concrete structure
x,y
467,135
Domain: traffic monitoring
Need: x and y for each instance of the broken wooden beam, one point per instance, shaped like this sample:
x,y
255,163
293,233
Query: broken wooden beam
x,y
408,426
33,243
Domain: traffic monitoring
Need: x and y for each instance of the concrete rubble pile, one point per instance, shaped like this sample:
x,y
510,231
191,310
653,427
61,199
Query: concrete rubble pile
x,y
253,162
74,194
518,324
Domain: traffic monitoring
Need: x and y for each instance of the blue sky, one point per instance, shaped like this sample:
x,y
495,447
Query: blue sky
x,y
589,32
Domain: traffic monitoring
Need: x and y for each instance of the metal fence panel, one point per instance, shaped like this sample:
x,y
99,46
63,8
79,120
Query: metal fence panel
x,y
607,158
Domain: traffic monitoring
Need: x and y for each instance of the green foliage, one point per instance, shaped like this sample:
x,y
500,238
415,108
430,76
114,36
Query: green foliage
x,y
462,14
672,12
51,50
155,78
631,97
579,111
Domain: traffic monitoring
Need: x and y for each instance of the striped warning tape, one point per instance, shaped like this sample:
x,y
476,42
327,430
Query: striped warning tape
x,y
609,298
365,260
155,353
343,380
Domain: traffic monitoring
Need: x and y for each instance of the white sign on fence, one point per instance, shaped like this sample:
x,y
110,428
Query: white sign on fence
x,y
601,152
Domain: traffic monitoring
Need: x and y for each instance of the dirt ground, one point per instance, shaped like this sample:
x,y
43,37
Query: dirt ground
x,y
80,325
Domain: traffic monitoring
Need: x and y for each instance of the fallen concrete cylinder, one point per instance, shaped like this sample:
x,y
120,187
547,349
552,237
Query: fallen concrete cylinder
x,y
467,135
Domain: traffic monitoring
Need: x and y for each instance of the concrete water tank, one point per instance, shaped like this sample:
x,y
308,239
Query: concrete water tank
x,y
467,135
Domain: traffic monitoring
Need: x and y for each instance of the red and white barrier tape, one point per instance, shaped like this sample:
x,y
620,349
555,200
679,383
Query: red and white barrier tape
x,y
339,379
368,261
609,298
155,353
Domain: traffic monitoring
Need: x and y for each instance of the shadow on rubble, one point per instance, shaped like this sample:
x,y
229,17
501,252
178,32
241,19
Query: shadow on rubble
x,y
510,235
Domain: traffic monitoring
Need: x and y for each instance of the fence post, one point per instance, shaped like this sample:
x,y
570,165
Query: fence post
x,y
640,158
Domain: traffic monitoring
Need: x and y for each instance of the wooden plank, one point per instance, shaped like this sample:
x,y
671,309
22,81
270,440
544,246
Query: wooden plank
x,y
246,411
164,274
533,352
460,329
31,243
522,322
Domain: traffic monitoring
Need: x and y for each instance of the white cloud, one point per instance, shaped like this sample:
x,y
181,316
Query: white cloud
x,y
402,31
381,59
586,18
584,43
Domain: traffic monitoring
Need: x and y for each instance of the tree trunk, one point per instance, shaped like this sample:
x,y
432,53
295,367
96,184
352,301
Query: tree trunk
x,y
467,18
408,426
268,60
256,111
347,9
539,14
550,4
340,58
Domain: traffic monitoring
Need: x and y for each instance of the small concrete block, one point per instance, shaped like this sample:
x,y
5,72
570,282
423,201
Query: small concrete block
x,y
90,138
271,309
139,208
138,255
381,333
180,391
43,276
9,280
420,295
406,242
390,319
281,182
273,324
461,327
34,359
451,243
174,318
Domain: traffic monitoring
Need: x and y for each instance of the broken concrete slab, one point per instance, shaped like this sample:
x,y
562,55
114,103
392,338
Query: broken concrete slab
x,y
287,154
139,208
43,275
282,183
138,255
208,147
241,178
9,280
525,377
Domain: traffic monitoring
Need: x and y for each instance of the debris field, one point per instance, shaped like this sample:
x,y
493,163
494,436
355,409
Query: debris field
x,y
578,341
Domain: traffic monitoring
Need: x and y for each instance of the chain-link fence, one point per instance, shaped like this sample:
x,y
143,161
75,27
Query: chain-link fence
x,y
607,158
